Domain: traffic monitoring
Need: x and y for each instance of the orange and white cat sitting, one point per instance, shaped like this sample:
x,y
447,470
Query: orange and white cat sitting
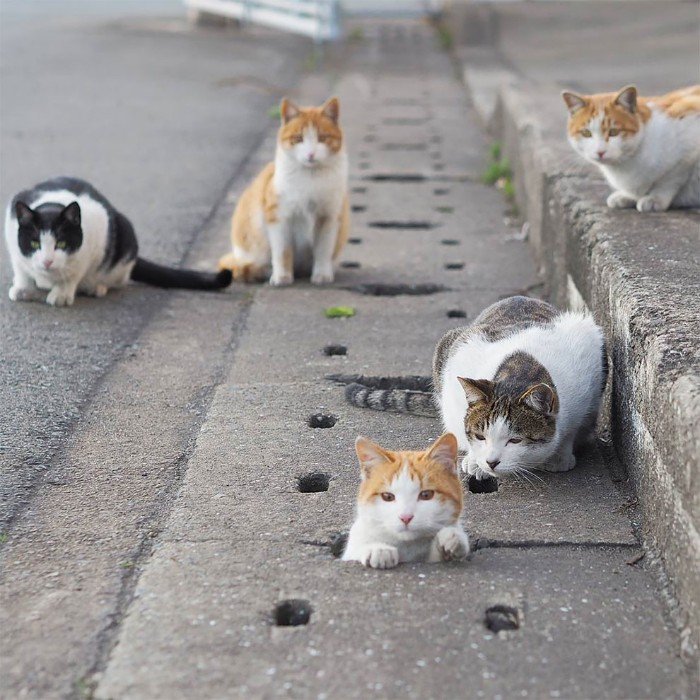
x,y
648,148
408,507
294,217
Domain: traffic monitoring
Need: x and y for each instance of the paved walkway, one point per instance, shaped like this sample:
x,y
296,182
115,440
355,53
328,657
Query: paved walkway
x,y
178,601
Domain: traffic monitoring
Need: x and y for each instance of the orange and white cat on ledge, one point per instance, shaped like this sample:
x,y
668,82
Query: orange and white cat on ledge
x,y
293,219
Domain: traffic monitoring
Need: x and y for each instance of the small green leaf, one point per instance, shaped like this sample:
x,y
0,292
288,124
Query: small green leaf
x,y
339,312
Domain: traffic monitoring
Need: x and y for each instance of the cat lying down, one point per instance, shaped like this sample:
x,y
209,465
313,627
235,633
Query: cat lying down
x,y
408,506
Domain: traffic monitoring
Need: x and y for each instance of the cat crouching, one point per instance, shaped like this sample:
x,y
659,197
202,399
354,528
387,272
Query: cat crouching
x,y
408,507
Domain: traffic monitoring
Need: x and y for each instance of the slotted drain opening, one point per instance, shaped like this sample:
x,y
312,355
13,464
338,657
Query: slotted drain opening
x,y
488,484
403,225
292,613
445,210
350,264
359,190
358,207
354,241
409,382
502,618
322,420
454,266
396,177
395,290
441,191
456,313
315,482
333,350
450,241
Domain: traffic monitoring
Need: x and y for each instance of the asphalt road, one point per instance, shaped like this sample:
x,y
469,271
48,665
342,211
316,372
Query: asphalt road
x,y
159,116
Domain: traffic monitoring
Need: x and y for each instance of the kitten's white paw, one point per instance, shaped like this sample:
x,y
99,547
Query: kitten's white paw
x,y
322,277
101,290
652,203
60,297
281,279
452,543
381,556
560,463
619,200
24,293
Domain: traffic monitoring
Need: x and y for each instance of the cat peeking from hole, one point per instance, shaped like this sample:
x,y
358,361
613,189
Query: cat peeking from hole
x,y
408,507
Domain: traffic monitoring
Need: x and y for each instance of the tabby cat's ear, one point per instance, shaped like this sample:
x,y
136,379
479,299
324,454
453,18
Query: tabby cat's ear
x,y
540,398
627,98
573,101
476,389
71,213
288,110
369,454
444,452
23,213
331,109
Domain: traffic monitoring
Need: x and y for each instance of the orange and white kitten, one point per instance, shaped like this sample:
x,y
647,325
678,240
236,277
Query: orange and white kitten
x,y
294,217
408,507
648,148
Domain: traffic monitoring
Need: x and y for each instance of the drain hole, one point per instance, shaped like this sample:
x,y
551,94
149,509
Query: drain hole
x,y
403,225
396,177
410,382
486,485
313,483
395,290
441,191
456,313
292,613
322,420
501,618
337,541
450,241
350,264
403,147
454,266
359,207
355,241
332,350
445,210
359,190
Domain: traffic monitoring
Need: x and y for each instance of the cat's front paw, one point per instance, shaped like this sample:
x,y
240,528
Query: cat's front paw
x,y
652,203
619,200
24,293
281,279
60,297
452,543
560,463
322,276
381,556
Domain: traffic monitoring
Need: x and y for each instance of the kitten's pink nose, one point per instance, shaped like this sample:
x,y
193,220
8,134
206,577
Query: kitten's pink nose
x,y
312,157
406,518
494,463
601,154
48,263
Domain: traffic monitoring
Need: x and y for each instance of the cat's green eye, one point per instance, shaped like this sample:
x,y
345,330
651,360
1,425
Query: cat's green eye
x,y
387,496
613,132
514,441
35,245
586,133
61,245
479,436
426,495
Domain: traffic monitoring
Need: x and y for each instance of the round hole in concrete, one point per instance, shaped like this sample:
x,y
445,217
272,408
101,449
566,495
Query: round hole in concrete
x,y
487,485
454,266
456,313
322,420
314,482
332,350
350,264
292,613
502,618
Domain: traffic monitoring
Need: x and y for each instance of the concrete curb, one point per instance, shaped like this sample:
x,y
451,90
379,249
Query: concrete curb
x,y
639,276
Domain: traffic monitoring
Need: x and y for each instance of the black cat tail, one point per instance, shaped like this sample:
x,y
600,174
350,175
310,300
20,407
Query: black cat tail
x,y
172,278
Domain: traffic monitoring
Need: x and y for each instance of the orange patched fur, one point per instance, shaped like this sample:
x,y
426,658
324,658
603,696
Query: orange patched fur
x,y
294,202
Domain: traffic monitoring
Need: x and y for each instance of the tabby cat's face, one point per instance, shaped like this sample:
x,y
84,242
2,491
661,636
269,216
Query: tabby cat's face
x,y
410,495
606,129
311,135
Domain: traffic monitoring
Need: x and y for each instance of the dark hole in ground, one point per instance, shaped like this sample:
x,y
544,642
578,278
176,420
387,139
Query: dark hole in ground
x,y
359,190
404,147
456,313
315,482
322,420
409,382
445,210
395,290
440,191
350,264
337,541
488,484
355,241
359,207
292,613
450,241
500,618
403,225
396,177
331,350
454,266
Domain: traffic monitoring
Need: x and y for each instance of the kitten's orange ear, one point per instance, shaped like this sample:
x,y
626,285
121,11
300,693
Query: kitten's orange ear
x,y
627,98
369,454
288,110
476,389
444,452
331,109
573,101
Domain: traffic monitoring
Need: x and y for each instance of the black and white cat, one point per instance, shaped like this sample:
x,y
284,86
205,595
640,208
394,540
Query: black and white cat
x,y
65,237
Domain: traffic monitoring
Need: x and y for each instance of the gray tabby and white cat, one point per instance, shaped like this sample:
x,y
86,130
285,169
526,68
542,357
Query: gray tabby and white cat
x,y
520,387
65,237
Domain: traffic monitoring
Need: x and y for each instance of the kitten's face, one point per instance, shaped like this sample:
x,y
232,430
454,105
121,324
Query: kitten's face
x,y
48,235
311,135
409,495
509,433
606,129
